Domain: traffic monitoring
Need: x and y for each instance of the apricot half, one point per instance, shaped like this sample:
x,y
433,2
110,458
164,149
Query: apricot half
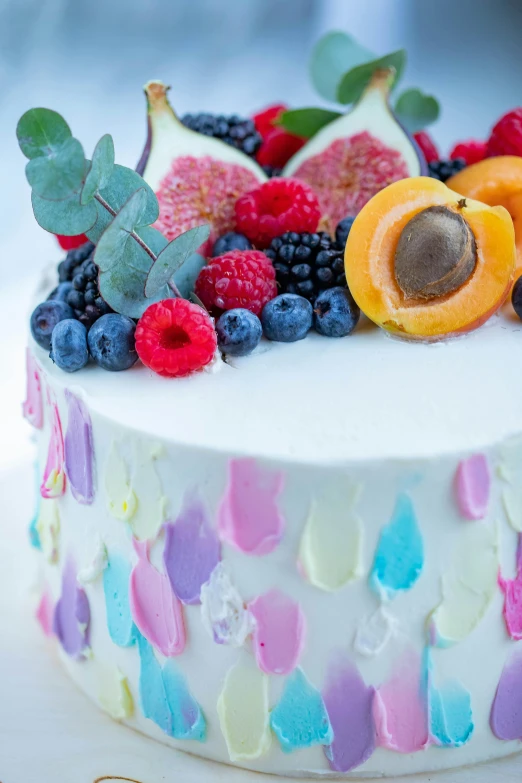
x,y
424,263
497,182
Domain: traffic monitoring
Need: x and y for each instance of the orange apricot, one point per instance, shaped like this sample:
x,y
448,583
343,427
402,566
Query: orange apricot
x,y
497,182
424,263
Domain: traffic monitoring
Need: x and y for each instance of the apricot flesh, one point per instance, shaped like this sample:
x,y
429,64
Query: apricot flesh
x,y
497,182
370,256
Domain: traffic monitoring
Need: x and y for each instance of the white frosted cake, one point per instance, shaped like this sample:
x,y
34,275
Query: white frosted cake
x,y
269,532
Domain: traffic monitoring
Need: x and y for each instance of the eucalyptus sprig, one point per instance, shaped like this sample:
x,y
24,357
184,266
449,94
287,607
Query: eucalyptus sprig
x,y
340,69
109,203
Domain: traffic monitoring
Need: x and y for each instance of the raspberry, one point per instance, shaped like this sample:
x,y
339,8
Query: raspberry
x,y
427,145
240,278
265,120
70,243
175,338
277,206
506,136
471,151
278,147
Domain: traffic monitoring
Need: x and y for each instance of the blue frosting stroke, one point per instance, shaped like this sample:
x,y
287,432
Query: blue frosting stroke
x,y
116,575
34,536
451,718
300,719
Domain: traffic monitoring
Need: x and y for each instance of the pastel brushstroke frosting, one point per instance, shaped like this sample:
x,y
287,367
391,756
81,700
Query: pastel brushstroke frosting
x,y
512,589
472,485
299,719
32,408
79,452
279,632
72,616
116,582
223,611
506,712
53,484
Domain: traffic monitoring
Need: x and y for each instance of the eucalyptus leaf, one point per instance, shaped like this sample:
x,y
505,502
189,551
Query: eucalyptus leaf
x,y
60,174
355,81
173,256
101,168
307,122
67,217
122,184
40,132
114,241
416,110
194,297
332,56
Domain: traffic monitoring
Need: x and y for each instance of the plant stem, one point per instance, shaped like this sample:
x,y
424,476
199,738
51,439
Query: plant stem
x,y
137,239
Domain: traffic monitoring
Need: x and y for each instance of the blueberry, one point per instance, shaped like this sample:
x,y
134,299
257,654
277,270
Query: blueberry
x,y
287,318
516,297
44,319
342,230
61,291
111,342
230,241
239,332
335,313
69,345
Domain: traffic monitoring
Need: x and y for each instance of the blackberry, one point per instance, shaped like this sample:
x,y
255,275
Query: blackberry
x,y
307,264
444,169
73,259
237,131
84,297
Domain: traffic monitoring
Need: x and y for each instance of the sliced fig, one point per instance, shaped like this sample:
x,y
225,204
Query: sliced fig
x,y
353,157
196,178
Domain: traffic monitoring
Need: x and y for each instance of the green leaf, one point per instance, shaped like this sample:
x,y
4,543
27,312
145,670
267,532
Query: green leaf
x,y
416,110
186,276
59,174
355,81
307,122
122,184
67,217
40,132
173,256
332,56
123,285
114,241
101,168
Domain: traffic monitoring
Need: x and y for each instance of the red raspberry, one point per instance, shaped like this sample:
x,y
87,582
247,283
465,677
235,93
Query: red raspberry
x,y
278,145
277,206
427,145
472,151
240,278
506,136
265,120
70,243
175,338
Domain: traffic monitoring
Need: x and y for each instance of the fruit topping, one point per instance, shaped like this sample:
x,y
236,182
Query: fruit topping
x,y
175,338
45,317
275,207
239,279
427,145
353,157
69,243
73,259
506,136
238,332
266,119
61,291
516,297
84,296
444,169
112,343
335,313
423,273
278,147
236,131
287,318
69,349
342,230
436,253
230,241
197,178
306,264
472,151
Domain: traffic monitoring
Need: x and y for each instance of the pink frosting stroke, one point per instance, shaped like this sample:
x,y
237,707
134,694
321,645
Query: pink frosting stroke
x,y
53,484
472,486
32,408
512,589
154,607
79,455
279,634
349,703
401,708
45,612
249,518
506,712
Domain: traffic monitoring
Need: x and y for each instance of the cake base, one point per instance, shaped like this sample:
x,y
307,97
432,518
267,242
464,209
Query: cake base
x,y
52,733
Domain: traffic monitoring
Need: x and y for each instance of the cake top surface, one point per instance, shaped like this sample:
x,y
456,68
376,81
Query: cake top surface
x,y
328,401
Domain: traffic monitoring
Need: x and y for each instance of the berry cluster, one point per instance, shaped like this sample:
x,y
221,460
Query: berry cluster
x,y
444,169
236,131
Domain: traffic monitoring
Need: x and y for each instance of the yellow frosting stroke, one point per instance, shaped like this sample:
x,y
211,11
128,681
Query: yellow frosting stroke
x,y
243,711
121,498
48,527
151,502
114,694
510,470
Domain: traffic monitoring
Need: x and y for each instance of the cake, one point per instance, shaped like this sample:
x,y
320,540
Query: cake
x,y
297,554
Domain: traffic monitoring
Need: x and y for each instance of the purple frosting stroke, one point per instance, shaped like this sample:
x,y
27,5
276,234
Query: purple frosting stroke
x,y
72,614
506,712
79,454
192,550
